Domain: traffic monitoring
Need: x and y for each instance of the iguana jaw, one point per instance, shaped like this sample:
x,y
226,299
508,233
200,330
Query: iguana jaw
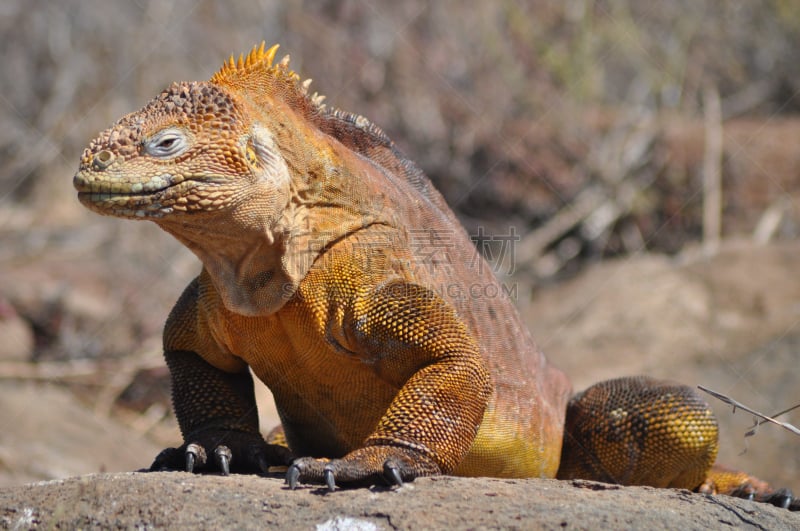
x,y
150,198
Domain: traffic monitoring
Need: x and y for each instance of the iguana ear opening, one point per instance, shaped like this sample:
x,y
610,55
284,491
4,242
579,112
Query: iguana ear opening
x,y
263,156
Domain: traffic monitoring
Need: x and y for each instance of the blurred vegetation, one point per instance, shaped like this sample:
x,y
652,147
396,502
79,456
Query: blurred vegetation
x,y
491,98
579,123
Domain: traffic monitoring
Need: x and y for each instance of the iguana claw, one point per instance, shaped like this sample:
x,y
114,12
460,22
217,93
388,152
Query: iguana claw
x,y
195,455
223,455
292,474
330,481
374,465
240,453
392,472
783,498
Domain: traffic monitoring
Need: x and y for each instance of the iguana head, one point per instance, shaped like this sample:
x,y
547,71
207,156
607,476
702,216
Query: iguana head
x,y
247,170
194,148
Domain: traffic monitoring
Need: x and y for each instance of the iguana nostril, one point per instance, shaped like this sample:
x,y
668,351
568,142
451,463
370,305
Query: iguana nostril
x,y
103,160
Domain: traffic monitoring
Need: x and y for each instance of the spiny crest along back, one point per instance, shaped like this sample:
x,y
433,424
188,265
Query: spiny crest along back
x,y
256,71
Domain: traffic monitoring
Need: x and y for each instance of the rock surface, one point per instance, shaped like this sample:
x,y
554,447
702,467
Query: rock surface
x,y
180,500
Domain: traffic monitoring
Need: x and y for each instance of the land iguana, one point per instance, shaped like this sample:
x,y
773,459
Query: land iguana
x,y
335,272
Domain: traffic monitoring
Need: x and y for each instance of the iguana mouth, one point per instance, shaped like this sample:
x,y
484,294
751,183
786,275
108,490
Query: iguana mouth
x,y
85,184
155,197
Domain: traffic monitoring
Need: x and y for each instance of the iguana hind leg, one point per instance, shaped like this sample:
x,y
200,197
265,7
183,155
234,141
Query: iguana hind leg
x,y
643,431
217,414
639,431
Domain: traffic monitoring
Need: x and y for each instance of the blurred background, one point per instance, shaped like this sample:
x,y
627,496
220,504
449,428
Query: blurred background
x,y
644,153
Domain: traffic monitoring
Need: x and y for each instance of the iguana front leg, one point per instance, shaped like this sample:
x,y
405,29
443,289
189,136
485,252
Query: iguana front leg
x,y
215,408
416,341
218,418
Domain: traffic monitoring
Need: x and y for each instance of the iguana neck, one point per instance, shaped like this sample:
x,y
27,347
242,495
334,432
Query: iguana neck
x,y
244,262
256,265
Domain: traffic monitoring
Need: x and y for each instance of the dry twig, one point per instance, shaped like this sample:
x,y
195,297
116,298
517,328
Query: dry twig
x,y
621,166
736,404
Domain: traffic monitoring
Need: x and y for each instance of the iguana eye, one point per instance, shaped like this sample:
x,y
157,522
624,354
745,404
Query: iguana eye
x,y
167,144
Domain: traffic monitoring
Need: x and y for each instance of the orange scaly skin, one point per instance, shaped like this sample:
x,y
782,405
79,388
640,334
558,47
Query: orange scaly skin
x,y
337,273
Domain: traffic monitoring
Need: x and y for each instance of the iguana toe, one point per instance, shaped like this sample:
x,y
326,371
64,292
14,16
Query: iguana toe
x,y
391,471
169,459
292,475
195,455
722,480
223,456
310,470
231,450
783,498
330,481
374,465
